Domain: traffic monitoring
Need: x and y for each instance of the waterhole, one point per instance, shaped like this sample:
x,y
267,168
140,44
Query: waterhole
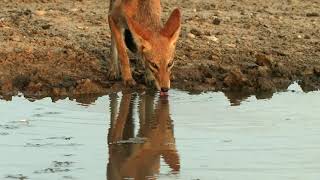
x,y
139,135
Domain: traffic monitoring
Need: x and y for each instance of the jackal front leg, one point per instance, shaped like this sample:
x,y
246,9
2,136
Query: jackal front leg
x,y
122,53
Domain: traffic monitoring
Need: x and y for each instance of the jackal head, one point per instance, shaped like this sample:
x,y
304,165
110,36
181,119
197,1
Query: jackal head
x,y
157,48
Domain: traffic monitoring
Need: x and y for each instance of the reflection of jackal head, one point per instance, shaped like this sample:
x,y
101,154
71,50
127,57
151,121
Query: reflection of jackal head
x,y
157,48
138,156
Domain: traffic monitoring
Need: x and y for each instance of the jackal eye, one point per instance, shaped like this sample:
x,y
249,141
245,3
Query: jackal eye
x,y
170,64
154,65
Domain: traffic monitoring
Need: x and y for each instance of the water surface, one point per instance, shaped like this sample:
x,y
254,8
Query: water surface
x,y
141,136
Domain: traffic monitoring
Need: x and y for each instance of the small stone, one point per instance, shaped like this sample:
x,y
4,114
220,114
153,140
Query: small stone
x,y
196,32
216,21
40,13
312,14
231,45
74,10
190,35
250,65
212,38
307,37
46,26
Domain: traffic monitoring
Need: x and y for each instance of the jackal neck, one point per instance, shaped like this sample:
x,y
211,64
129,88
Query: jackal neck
x,y
149,14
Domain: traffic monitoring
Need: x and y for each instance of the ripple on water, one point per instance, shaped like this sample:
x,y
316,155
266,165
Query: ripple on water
x,y
57,167
17,176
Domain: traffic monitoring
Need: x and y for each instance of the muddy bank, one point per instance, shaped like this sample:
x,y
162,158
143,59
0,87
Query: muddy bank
x,y
61,48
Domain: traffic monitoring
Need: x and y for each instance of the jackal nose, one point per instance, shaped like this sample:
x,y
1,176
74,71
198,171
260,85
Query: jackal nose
x,y
164,89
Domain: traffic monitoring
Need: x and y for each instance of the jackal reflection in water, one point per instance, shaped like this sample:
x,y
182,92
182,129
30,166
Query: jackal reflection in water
x,y
138,156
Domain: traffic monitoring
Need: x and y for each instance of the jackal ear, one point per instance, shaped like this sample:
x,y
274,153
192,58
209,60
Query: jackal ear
x,y
172,27
140,34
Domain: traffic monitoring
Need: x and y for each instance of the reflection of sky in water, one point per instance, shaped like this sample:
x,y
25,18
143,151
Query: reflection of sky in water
x,y
274,138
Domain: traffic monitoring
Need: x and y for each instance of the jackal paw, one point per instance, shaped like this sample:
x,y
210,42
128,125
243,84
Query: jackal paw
x,y
129,83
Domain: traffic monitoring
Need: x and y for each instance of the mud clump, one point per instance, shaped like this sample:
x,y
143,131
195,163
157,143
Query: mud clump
x,y
6,87
21,81
235,79
87,87
61,48
263,60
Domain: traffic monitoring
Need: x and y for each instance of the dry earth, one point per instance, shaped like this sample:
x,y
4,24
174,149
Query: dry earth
x,y
61,48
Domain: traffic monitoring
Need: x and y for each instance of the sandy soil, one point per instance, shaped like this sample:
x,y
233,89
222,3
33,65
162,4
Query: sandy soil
x,y
61,48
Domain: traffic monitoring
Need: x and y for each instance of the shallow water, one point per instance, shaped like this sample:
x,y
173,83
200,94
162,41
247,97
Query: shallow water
x,y
137,135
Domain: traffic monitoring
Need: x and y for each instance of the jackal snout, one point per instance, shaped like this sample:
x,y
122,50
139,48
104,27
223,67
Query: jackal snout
x,y
161,74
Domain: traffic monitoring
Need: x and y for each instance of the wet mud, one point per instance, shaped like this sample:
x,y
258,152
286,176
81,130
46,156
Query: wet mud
x,y
61,48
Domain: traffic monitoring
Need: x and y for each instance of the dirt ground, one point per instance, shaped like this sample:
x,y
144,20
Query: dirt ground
x,y
61,48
